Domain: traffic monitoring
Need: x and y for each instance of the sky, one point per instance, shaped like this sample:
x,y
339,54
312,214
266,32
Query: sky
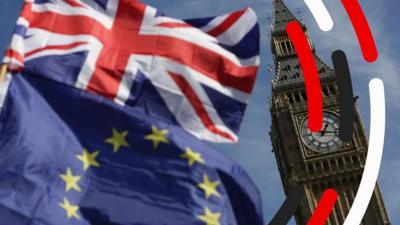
x,y
254,149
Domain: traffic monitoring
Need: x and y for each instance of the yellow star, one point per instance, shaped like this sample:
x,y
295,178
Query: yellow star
x,y
72,210
210,218
88,159
71,181
209,187
192,157
157,136
118,139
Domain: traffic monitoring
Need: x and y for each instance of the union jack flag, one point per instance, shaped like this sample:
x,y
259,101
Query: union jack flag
x,y
203,70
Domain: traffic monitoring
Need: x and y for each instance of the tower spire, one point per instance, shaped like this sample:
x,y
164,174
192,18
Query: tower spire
x,y
282,15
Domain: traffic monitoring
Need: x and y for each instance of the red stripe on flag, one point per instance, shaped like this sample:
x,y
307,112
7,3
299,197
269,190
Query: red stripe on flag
x,y
198,106
55,47
26,11
15,55
73,3
227,23
174,25
203,60
68,25
119,44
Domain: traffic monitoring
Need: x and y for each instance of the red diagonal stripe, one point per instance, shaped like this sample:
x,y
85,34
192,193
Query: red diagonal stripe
x,y
203,60
73,3
15,55
174,25
324,208
198,106
26,11
55,47
310,73
226,24
67,25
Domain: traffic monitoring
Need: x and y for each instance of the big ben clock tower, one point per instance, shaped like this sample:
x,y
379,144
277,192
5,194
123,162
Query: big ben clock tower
x,y
315,160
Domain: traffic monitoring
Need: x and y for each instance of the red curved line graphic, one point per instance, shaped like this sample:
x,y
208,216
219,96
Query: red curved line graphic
x,y
311,77
324,208
363,31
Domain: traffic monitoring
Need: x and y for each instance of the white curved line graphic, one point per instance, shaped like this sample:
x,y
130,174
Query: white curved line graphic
x,y
374,157
320,14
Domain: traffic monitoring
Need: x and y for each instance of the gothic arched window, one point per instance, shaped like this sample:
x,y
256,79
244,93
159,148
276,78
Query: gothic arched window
x,y
283,47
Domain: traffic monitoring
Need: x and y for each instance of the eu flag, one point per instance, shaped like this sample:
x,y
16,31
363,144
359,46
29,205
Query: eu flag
x,y
72,157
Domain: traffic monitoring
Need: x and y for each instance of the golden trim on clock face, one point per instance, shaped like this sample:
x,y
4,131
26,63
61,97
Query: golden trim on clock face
x,y
327,139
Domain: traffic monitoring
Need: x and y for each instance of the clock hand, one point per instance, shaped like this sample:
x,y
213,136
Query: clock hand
x,y
331,132
324,130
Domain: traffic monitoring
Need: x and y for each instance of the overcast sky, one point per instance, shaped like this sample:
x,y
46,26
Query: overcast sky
x,y
254,150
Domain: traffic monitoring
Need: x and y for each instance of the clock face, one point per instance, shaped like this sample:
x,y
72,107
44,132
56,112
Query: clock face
x,y
327,140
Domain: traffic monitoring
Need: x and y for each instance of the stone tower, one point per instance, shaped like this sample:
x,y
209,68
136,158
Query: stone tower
x,y
315,160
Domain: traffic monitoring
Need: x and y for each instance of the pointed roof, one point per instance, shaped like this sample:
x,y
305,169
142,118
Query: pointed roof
x,y
282,15
287,68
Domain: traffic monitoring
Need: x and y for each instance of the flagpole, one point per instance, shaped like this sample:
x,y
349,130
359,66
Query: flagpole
x,y
3,72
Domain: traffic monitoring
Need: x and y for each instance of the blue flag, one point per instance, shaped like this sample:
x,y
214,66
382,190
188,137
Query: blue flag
x,y
68,156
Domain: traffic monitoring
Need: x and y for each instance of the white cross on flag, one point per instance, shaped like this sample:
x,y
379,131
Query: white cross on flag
x,y
196,73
